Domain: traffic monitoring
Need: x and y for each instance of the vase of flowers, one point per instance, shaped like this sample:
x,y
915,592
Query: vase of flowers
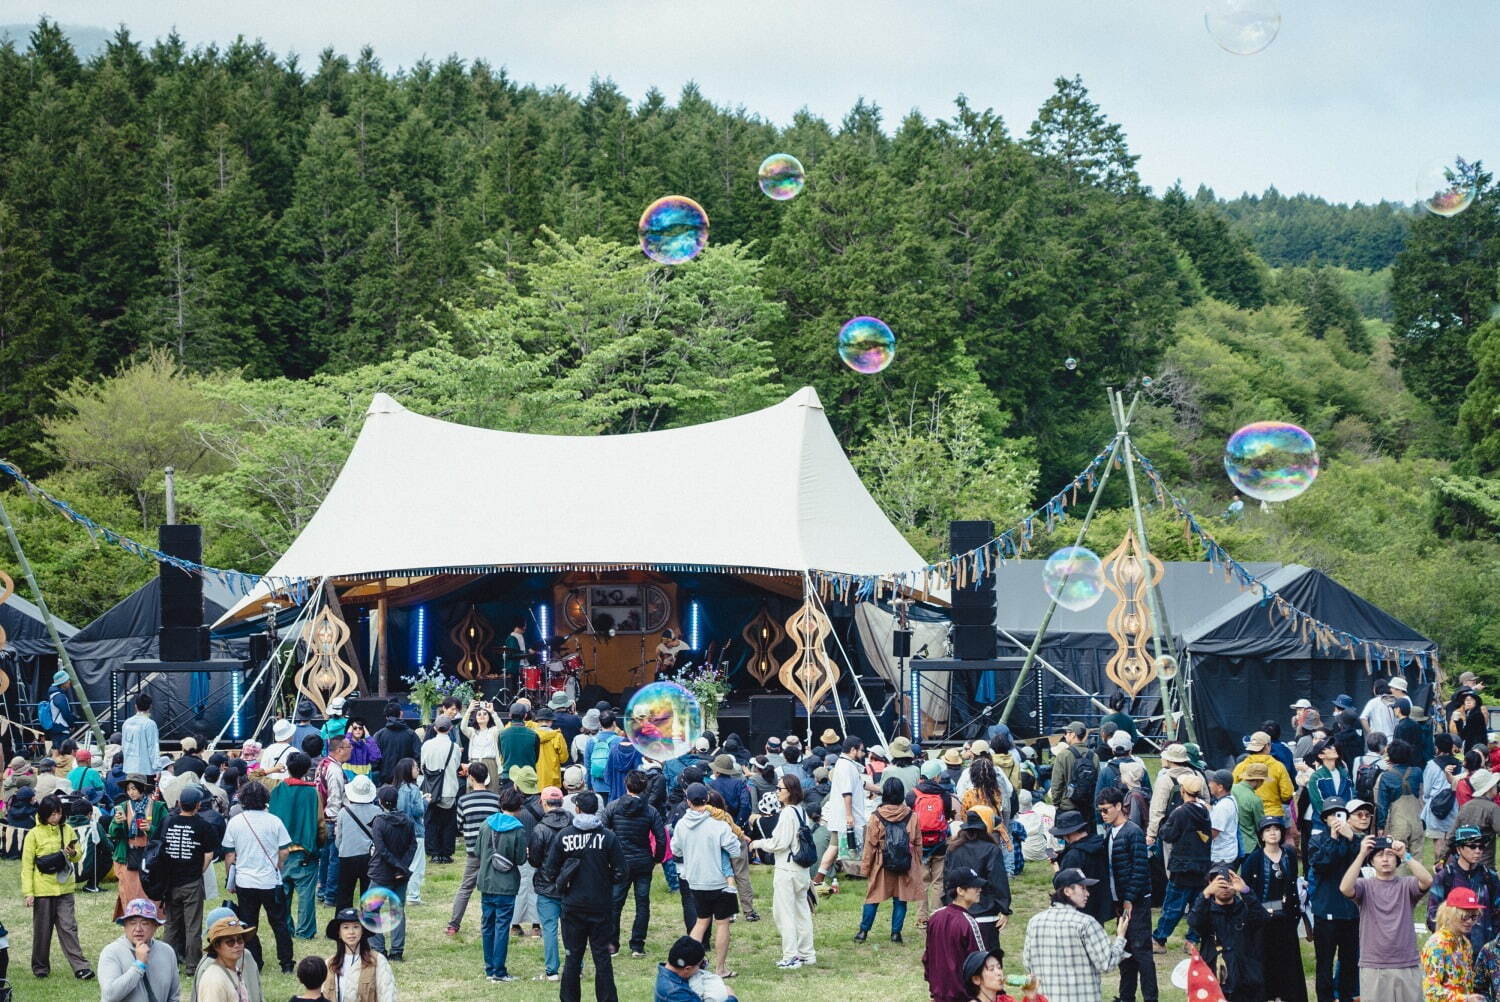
x,y
709,685
429,687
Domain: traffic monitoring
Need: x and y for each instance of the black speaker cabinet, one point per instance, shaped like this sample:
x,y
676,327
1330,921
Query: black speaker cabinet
x,y
974,643
260,650
973,612
771,715
184,643
368,710
181,592
901,644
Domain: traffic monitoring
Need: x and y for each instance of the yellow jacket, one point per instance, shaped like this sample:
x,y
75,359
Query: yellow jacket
x,y
40,841
551,755
1276,790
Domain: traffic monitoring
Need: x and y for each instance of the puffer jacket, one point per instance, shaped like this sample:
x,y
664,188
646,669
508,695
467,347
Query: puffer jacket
x,y
1091,855
394,846
635,823
537,844
1188,832
1131,864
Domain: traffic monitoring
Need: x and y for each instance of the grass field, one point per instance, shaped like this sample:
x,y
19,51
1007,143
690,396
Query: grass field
x,y
439,968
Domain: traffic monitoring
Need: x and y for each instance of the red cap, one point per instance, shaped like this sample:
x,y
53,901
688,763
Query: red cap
x,y
552,793
1462,897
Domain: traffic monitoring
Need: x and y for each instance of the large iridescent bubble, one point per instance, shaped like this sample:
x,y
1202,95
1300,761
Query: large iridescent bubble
x,y
673,229
380,910
1271,460
1446,189
781,176
866,345
1074,577
663,720
1243,27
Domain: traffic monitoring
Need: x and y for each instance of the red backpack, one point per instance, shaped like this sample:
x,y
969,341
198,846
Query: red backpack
x,y
930,818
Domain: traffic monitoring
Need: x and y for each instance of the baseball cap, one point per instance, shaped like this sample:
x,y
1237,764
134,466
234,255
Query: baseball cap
x,y
1258,742
1121,741
1220,869
1331,804
686,952
190,797
696,793
700,745
551,794
1468,835
1077,729
1301,704
1359,805
974,962
573,777
1462,897
1072,875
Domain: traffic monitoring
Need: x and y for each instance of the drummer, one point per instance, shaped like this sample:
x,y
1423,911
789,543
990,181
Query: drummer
x,y
668,650
513,649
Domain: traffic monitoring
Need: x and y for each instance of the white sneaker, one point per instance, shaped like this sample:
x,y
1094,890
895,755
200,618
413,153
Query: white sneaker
x,y
789,965
807,961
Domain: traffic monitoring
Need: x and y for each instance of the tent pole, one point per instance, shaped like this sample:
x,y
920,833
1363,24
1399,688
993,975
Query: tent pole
x,y
1158,608
1041,630
62,652
382,654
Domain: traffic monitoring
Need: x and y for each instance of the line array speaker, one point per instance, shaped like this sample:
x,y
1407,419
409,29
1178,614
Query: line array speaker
x,y
973,610
181,592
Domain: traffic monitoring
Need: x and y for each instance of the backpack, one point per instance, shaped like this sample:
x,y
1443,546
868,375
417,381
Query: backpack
x,y
804,853
1084,779
154,870
599,756
895,854
930,818
1138,805
1365,779
44,714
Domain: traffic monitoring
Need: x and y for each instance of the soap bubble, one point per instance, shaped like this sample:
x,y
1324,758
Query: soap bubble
x,y
663,720
1271,460
781,176
1070,364
1243,27
673,229
1074,577
1445,189
1146,382
380,910
866,345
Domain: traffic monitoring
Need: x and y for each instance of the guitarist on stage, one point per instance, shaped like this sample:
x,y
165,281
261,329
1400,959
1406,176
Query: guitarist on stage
x,y
668,650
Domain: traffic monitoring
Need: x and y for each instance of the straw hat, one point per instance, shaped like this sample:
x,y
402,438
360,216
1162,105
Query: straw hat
x,y
829,737
953,757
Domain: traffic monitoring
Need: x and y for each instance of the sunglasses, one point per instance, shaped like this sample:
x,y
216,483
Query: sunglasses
x,y
231,940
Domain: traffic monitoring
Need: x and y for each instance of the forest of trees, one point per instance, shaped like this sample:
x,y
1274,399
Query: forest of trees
x,y
210,259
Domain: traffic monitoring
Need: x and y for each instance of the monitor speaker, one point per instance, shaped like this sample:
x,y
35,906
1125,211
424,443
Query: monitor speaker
x,y
181,592
260,650
901,644
771,715
974,643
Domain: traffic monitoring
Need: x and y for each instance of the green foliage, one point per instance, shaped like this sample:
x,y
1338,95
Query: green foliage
x,y
1326,304
1296,230
1479,417
1222,260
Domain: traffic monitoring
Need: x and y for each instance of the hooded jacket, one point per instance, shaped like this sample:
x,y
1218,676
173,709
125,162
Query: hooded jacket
x,y
1091,855
672,769
584,863
501,834
1328,857
396,741
1232,933
705,845
623,757
635,823
393,847
551,756
1188,832
543,834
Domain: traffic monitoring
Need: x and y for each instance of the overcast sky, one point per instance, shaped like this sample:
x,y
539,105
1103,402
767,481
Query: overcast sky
x,y
1349,102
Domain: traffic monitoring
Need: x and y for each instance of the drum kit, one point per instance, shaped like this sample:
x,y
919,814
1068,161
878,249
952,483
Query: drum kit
x,y
542,675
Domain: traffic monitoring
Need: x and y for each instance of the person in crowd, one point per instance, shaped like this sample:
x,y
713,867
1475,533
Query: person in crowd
x,y
1223,819
20,817
643,841
1469,722
304,727
135,967
1070,792
566,720
411,802
623,757
552,748
1271,870
59,708
952,934
312,971
677,979
273,757
357,972
1305,720
935,811
1481,811
482,731
1228,919
731,785
1277,790
364,752
1335,917
393,848
1347,734
1377,715
1388,962
396,741
519,744
225,975
845,811
891,860
475,807
440,787
501,847
133,826
1398,795
48,880
954,767
337,724
1165,790
140,741
583,741
902,766
1119,744
1440,804
188,846
1447,956
1329,779
1086,850
257,844
83,777
760,777
296,802
704,844
1065,947
351,839
1129,884
1123,721
584,862
1464,867
973,847
330,780
600,748
673,768
988,788
790,909
1188,832
1415,732
548,897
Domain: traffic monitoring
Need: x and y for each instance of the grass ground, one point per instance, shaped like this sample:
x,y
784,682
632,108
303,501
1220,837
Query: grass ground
x,y
439,968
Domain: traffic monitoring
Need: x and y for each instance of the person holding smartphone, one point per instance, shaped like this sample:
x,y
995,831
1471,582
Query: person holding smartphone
x,y
1229,920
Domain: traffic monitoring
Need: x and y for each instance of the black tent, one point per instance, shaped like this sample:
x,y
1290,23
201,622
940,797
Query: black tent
x,y
1245,663
28,656
128,631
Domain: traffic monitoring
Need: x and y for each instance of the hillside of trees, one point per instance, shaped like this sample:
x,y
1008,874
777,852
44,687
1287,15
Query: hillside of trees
x,y
211,258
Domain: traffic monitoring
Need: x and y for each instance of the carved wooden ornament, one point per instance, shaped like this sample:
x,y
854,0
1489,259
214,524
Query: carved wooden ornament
x,y
809,673
1130,623
325,676
763,634
473,636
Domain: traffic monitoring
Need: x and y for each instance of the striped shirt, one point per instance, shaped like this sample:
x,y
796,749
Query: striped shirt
x,y
474,808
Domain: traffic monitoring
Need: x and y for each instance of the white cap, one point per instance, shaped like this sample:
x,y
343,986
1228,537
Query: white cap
x,y
1121,741
1302,704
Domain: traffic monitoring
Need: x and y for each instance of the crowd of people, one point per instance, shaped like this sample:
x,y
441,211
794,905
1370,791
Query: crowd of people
x,y
558,821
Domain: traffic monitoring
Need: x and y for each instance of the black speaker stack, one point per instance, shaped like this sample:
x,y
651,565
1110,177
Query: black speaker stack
x,y
183,636
974,604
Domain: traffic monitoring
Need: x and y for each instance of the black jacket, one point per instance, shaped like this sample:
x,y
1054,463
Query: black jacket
x,y
656,790
393,846
1188,832
1232,933
396,741
986,859
584,863
543,834
634,823
1131,864
1091,855
736,794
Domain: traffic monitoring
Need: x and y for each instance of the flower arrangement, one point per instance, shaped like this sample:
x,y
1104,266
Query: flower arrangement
x,y
429,687
709,684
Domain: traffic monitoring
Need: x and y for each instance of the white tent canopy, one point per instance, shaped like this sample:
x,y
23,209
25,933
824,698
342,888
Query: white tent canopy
x,y
770,491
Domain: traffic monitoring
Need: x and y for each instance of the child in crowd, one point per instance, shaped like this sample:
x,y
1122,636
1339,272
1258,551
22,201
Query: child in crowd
x,y
311,972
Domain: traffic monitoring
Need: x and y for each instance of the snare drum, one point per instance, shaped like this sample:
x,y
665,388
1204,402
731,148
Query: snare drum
x,y
572,664
531,677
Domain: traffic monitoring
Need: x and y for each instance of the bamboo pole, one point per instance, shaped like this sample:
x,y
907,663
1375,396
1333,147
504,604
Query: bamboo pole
x,y
62,652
